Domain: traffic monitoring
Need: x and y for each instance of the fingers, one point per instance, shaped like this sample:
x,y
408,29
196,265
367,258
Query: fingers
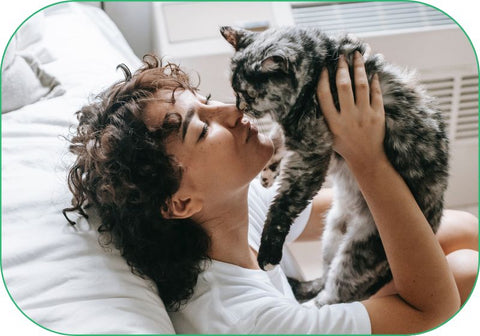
x,y
376,95
362,94
368,97
324,96
344,86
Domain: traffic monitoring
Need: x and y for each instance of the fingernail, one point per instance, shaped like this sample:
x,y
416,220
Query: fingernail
x,y
358,54
341,58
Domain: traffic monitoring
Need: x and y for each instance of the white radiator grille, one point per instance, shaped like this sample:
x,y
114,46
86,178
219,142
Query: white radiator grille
x,y
366,17
442,89
457,98
467,124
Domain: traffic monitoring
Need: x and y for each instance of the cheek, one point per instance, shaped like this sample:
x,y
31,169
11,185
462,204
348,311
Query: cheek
x,y
228,161
220,151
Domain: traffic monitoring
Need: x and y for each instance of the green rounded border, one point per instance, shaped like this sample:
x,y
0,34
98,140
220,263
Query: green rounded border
x,y
61,2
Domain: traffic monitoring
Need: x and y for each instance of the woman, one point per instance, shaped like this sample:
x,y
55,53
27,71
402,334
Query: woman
x,y
169,172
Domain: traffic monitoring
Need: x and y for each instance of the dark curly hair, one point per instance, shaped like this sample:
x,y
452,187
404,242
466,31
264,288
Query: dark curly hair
x,y
122,169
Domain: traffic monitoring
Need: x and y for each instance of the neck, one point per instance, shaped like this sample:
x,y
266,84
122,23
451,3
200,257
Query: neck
x,y
228,230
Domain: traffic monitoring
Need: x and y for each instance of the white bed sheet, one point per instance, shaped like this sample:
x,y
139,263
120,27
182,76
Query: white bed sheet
x,y
58,276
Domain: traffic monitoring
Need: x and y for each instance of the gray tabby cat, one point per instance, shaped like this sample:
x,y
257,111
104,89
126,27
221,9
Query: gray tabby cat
x,y
276,72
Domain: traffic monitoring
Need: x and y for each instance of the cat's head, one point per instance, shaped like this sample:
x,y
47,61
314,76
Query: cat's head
x,y
268,70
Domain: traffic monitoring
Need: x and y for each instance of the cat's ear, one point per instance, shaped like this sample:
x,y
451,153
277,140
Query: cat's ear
x,y
274,63
239,38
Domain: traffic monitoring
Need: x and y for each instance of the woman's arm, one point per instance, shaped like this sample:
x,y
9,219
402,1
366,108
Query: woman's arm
x,y
425,285
427,294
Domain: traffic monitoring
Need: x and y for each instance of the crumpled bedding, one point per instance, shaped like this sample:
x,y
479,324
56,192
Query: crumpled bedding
x,y
58,275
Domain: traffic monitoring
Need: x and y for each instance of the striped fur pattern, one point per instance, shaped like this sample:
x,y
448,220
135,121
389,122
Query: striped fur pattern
x,y
273,167
275,72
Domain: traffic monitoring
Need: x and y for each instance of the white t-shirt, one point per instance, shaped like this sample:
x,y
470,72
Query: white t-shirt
x,y
229,299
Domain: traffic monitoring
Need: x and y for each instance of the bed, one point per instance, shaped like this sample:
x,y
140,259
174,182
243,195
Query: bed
x,y
57,275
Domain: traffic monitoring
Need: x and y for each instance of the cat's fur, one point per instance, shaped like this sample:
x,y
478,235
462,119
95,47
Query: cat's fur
x,y
273,167
276,72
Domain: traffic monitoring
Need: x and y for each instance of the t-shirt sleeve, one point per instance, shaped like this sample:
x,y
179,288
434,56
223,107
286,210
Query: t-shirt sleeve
x,y
289,318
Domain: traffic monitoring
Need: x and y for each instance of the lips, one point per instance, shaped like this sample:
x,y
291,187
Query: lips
x,y
251,130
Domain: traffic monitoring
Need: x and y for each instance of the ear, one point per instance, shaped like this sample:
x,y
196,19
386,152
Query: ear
x,y
180,208
274,63
239,38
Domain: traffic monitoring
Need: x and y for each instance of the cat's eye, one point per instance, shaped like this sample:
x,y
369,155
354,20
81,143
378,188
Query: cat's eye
x,y
248,99
252,93
237,101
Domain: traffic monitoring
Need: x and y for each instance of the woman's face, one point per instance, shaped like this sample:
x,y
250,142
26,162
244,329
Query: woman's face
x,y
219,150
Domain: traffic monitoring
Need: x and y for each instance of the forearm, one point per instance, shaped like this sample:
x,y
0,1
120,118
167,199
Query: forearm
x,y
420,270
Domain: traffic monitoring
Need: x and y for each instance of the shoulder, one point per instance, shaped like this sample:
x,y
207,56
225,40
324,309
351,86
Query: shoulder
x,y
224,297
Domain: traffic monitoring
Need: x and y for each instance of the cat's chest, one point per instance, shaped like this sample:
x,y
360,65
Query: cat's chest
x,y
311,134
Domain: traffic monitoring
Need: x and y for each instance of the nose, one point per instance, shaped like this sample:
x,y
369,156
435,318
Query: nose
x,y
227,115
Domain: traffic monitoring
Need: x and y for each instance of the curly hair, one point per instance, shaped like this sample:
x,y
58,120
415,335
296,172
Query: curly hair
x,y
122,169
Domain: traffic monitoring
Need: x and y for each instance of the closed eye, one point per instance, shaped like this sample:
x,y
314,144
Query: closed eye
x,y
205,127
207,99
204,132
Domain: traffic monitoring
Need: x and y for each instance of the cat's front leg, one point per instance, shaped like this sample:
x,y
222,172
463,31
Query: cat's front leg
x,y
302,177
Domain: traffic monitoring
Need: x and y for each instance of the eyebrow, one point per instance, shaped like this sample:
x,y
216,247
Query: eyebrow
x,y
186,122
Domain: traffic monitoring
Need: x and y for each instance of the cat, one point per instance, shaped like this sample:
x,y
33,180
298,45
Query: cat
x,y
273,167
276,72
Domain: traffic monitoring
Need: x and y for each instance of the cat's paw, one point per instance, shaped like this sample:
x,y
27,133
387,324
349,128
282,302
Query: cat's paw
x,y
324,298
268,258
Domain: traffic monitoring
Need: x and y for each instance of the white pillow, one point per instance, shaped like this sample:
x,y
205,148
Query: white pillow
x,y
30,38
24,81
58,276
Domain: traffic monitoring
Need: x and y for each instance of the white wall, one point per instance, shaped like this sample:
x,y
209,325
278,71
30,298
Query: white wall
x,y
134,21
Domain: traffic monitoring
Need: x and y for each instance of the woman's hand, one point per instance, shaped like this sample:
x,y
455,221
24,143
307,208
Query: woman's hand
x,y
359,127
